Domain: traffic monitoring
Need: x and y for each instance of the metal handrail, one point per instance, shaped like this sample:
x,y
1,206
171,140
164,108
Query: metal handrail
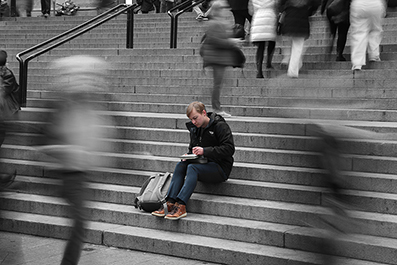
x,y
23,64
174,19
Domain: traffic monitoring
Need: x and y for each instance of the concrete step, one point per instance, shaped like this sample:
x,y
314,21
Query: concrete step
x,y
265,233
232,252
376,182
379,202
40,98
283,126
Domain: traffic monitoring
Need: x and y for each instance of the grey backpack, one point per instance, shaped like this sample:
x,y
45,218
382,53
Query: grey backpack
x,y
153,192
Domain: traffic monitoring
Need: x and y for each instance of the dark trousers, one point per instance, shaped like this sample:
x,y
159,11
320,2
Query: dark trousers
x,y
45,6
271,45
240,16
182,188
342,29
74,192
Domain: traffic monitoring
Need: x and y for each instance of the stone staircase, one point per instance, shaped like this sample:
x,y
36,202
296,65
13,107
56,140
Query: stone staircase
x,y
270,210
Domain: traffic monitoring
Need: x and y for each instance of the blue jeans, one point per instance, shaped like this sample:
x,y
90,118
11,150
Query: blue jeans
x,y
182,188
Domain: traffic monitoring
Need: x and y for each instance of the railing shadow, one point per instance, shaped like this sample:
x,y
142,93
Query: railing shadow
x,y
80,29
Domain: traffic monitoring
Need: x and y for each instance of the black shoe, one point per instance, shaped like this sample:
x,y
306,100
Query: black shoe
x,y
340,58
259,75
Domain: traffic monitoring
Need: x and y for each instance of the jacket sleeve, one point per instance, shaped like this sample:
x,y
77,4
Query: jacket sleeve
x,y
226,144
9,82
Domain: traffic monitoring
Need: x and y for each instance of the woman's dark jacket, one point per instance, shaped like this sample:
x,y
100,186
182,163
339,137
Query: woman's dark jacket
x,y
216,140
296,17
238,4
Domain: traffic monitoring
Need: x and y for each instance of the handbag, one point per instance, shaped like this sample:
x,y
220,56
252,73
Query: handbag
x,y
280,21
238,31
338,11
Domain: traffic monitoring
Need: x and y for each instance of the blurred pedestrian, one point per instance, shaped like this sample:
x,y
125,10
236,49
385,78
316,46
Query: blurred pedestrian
x,y
4,9
366,18
202,10
166,5
72,136
219,50
337,12
263,31
9,108
24,8
295,26
45,8
149,5
241,13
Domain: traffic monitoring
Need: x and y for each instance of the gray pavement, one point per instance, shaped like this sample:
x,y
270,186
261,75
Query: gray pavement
x,y
20,249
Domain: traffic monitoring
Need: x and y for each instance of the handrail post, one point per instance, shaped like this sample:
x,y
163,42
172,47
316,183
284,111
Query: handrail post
x,y
21,80
172,31
174,19
130,28
24,91
175,40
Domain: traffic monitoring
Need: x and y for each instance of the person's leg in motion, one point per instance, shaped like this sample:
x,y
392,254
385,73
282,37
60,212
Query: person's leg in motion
x,y
75,194
295,62
375,34
259,58
332,28
359,29
271,46
343,29
199,12
218,74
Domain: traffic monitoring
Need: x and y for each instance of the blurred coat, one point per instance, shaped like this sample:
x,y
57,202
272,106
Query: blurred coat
x,y
217,48
264,20
296,17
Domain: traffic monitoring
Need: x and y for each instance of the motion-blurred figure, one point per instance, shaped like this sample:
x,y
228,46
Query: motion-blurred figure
x,y
219,50
9,108
295,25
24,8
338,22
73,136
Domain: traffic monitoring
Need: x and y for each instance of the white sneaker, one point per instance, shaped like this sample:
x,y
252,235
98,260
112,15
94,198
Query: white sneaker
x,y
200,17
224,114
